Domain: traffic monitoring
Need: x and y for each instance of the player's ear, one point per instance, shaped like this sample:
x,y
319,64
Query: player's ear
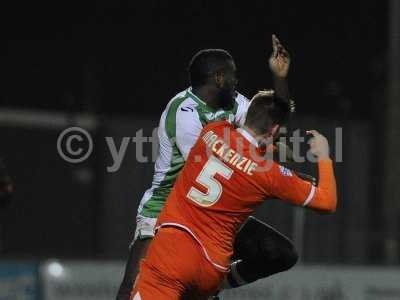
x,y
219,79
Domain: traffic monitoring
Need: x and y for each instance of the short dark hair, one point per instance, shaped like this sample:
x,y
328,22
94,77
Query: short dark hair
x,y
206,63
266,110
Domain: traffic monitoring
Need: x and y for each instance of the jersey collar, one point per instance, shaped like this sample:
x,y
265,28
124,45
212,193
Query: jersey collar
x,y
200,102
248,136
208,109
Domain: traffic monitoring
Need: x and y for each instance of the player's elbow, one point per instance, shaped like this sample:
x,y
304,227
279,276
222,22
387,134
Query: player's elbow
x,y
326,204
328,207
330,210
333,207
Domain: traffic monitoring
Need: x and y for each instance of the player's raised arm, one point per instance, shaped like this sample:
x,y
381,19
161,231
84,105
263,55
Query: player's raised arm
x,y
279,63
325,198
286,185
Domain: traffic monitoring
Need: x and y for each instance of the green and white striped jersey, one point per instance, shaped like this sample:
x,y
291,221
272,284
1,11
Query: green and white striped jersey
x,y
180,125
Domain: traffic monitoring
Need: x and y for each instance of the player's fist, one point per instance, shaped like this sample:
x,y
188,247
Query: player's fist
x,y
279,60
319,145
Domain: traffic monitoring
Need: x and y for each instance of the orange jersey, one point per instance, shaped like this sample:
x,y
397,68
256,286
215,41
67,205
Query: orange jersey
x,y
225,177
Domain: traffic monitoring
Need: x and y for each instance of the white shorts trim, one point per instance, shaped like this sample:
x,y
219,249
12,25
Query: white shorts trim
x,y
144,228
217,266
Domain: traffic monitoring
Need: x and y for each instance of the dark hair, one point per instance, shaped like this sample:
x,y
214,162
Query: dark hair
x,y
266,109
206,63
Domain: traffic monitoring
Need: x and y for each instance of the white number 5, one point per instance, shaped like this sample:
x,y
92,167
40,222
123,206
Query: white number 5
x,y
206,178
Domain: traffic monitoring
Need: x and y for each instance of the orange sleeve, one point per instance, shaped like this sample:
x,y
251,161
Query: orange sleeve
x,y
287,186
325,197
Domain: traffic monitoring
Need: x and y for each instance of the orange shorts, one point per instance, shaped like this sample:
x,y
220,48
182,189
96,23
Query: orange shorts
x,y
175,268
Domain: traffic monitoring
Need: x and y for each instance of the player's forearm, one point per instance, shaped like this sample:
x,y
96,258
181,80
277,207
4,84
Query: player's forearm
x,y
281,87
325,198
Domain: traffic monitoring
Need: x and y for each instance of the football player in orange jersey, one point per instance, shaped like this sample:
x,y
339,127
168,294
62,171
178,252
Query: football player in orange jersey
x,y
225,177
211,97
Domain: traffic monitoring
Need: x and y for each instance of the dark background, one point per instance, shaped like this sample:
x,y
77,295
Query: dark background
x,y
121,62
117,56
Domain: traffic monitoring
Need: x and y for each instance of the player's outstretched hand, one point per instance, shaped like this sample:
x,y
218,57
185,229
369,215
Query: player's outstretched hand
x,y
279,60
319,145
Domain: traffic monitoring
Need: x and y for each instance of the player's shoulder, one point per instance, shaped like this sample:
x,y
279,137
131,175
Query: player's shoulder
x,y
182,99
183,104
273,170
219,126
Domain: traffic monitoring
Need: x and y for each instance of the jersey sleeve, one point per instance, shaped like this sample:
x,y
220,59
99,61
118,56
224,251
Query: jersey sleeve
x,y
243,106
188,129
286,185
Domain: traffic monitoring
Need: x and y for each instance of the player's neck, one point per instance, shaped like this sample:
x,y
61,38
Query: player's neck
x,y
251,132
260,139
208,95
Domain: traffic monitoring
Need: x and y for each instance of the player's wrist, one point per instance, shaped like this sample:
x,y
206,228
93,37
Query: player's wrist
x,y
324,157
324,153
277,76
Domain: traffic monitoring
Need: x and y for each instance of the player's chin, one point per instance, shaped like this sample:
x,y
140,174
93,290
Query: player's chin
x,y
229,104
227,99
